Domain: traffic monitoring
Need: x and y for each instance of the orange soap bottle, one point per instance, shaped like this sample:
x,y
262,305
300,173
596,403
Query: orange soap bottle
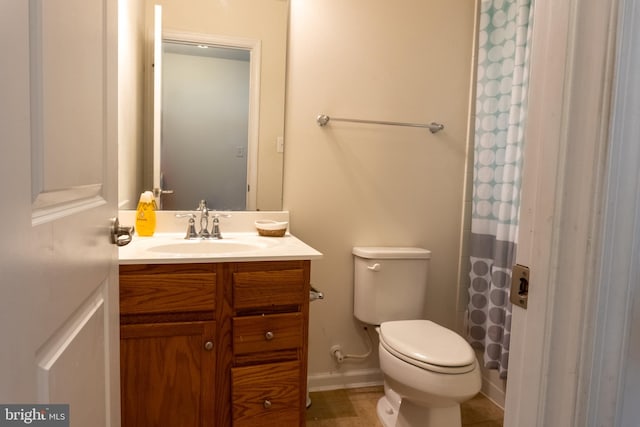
x,y
146,215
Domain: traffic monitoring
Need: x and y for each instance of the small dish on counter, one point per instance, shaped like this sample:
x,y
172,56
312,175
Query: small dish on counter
x,y
270,228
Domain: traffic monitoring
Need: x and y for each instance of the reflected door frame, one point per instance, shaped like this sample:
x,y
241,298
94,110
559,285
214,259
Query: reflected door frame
x,y
254,47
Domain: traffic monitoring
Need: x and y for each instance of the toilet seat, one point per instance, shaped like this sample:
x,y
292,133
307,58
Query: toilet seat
x,y
427,345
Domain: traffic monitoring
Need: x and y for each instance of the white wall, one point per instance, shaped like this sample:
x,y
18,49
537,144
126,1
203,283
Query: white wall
x,y
347,184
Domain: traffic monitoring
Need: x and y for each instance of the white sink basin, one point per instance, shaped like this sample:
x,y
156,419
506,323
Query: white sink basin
x,y
192,247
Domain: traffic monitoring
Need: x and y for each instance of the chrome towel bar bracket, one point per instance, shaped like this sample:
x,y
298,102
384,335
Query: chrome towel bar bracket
x,y
433,127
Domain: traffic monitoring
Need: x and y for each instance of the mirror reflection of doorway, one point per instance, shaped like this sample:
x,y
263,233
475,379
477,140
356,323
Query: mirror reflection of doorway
x,y
205,118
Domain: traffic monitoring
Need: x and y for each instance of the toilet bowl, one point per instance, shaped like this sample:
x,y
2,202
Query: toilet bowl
x,y
428,369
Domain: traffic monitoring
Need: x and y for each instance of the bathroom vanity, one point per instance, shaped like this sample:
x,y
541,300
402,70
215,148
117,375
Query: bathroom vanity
x,y
214,335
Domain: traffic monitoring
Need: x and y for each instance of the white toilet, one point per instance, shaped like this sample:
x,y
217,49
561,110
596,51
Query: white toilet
x,y
428,369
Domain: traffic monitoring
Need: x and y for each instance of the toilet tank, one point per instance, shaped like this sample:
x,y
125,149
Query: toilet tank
x,y
390,283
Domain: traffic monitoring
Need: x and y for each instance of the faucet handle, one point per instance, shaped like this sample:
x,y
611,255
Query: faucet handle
x,y
189,214
217,214
215,230
191,226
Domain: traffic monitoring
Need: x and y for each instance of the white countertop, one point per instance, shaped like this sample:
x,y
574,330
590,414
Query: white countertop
x,y
240,243
151,250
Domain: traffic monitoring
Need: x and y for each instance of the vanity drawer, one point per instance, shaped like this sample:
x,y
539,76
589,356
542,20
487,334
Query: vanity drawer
x,y
266,395
269,289
254,334
156,291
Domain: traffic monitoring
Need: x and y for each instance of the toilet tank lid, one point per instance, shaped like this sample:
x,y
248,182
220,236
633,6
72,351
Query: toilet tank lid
x,y
390,252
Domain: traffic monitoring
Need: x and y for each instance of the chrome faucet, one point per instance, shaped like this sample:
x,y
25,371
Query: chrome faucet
x,y
204,220
204,223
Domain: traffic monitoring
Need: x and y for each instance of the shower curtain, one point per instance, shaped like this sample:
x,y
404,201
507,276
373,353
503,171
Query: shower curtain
x,y
502,82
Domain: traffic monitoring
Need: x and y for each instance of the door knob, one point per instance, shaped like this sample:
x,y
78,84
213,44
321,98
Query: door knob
x,y
208,345
157,192
120,235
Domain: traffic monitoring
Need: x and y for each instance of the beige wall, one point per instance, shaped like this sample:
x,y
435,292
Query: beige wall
x,y
348,184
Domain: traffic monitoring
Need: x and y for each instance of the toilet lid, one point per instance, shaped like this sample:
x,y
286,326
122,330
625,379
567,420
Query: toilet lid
x,y
428,345
385,252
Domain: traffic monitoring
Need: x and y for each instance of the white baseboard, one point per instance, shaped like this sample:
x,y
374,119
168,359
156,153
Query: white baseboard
x,y
493,386
494,392
339,380
373,377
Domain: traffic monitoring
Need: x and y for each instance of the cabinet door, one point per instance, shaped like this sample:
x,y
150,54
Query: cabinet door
x,y
167,374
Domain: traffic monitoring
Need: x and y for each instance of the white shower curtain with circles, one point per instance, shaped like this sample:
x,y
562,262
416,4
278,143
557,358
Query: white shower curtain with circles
x,y
502,82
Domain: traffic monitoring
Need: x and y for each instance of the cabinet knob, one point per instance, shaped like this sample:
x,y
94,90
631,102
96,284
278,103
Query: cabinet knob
x,y
208,345
269,336
266,404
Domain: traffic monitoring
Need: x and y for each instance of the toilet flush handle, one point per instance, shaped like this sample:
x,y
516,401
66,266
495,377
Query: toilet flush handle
x,y
374,267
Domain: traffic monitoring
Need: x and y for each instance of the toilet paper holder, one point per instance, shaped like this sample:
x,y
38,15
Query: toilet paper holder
x,y
315,294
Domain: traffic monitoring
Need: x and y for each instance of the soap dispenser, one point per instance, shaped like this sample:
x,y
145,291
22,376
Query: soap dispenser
x,y
146,215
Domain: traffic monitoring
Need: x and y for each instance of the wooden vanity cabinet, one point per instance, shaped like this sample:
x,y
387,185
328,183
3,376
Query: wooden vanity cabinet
x,y
167,345
254,372
270,308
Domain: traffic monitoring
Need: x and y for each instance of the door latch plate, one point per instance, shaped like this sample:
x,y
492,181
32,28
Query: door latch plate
x,y
519,285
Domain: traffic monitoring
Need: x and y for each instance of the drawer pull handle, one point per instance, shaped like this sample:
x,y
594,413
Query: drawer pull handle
x,y
208,345
266,404
269,336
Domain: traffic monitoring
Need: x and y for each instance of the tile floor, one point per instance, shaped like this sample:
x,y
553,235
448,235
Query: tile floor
x,y
357,408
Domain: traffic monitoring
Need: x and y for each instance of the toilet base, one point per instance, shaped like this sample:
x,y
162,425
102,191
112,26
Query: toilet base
x,y
386,413
411,415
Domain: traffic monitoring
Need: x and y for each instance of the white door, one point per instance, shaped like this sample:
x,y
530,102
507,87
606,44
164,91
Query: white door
x,y
524,400
565,155
58,270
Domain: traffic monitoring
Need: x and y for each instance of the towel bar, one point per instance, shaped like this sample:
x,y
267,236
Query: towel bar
x,y
433,127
